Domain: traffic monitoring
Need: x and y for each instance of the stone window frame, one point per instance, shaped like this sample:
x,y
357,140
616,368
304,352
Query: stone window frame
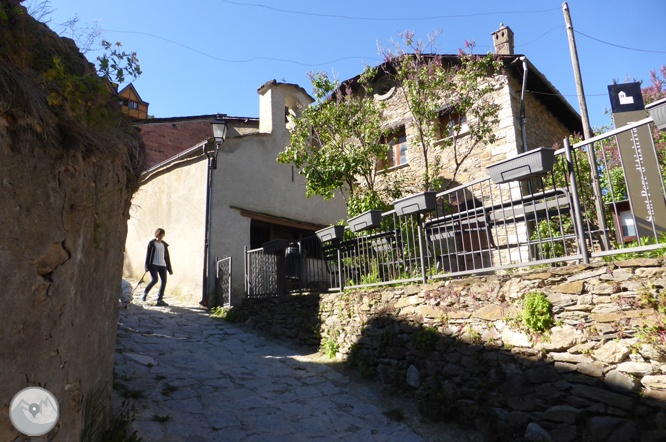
x,y
385,89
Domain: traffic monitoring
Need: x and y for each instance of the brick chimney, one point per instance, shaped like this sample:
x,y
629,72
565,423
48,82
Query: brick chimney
x,y
503,40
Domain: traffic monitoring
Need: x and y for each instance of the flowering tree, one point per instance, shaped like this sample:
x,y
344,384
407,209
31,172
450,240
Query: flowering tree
x,y
338,142
431,88
341,142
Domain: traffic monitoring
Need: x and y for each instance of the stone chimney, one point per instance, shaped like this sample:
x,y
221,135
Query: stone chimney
x,y
503,40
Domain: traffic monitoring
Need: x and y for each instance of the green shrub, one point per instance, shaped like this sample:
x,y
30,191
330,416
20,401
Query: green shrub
x,y
330,347
537,312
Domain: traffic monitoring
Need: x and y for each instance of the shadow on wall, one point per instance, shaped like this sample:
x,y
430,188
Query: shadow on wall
x,y
128,268
506,392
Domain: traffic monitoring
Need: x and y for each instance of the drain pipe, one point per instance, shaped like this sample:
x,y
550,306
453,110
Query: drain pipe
x,y
523,130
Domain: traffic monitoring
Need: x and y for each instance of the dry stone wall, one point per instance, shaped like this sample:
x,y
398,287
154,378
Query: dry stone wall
x,y
461,348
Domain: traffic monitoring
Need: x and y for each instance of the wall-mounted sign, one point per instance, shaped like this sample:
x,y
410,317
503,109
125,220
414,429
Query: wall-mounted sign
x,y
639,160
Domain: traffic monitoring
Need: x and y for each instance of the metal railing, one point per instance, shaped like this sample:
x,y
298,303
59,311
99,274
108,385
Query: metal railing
x,y
473,228
223,282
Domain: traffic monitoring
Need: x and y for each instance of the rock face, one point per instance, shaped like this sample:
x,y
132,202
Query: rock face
x,y
63,209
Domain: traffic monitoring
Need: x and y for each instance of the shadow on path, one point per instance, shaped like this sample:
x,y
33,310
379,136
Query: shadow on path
x,y
195,378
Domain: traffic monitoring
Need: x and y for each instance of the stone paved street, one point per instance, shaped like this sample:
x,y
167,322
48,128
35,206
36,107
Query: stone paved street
x,y
217,382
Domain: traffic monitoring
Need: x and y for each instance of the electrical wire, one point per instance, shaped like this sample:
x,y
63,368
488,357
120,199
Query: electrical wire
x,y
542,35
347,17
248,60
565,95
618,46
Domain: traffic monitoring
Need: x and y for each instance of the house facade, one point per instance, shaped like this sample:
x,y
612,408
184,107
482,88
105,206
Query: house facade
x,y
247,200
549,119
132,104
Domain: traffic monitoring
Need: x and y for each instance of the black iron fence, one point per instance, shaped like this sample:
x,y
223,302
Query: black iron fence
x,y
519,217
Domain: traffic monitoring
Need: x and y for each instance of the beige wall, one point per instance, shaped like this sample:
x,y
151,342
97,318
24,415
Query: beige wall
x,y
249,177
175,201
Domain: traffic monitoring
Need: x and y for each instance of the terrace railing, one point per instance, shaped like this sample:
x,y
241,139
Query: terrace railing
x,y
482,226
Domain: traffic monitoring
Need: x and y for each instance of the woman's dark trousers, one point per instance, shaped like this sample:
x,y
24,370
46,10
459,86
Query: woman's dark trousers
x,y
154,271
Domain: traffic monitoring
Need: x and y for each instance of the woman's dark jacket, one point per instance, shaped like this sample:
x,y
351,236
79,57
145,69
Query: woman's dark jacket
x,y
151,253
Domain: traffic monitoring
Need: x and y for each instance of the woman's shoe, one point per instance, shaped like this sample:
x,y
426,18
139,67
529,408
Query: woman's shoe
x,y
161,303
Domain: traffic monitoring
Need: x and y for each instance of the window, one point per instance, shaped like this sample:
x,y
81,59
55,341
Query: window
x,y
447,122
397,154
384,89
133,105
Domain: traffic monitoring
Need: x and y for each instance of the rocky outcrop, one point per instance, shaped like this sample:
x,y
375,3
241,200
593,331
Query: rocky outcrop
x,y
67,173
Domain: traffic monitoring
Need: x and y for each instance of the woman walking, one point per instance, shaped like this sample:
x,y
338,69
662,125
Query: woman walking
x,y
158,263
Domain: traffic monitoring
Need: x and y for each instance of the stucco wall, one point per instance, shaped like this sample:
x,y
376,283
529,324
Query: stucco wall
x,y
249,177
176,202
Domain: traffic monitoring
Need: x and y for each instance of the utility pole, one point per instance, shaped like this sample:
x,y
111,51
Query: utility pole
x,y
587,131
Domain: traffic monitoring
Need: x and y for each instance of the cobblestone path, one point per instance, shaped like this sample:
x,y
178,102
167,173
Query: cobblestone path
x,y
217,382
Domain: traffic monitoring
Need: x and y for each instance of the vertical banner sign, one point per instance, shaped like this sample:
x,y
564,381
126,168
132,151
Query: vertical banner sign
x,y
639,159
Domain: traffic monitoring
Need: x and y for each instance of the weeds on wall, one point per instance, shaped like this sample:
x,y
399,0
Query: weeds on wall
x,y
94,407
228,314
537,312
330,347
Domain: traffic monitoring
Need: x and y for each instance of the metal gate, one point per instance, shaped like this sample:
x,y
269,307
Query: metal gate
x,y
223,285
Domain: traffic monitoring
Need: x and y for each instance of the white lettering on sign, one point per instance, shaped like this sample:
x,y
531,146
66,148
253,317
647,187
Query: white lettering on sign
x,y
638,160
624,99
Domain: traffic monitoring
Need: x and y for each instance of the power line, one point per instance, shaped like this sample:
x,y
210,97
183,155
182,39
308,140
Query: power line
x,y
347,17
565,95
618,46
249,60
542,35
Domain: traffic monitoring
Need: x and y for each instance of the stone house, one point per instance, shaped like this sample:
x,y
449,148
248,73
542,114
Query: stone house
x,y
549,117
252,198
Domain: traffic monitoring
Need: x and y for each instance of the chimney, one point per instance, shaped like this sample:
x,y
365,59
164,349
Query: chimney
x,y
503,40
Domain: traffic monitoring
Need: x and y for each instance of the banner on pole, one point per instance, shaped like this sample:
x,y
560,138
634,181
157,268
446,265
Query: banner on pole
x,y
639,160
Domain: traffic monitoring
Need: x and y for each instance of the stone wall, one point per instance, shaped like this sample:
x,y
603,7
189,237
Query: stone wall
x,y
461,348
397,114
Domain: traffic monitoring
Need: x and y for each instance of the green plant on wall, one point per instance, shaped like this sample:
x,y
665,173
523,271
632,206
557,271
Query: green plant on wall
x,y
426,339
228,314
537,312
330,347
656,253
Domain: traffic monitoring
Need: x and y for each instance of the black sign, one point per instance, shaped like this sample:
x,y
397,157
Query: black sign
x,y
626,97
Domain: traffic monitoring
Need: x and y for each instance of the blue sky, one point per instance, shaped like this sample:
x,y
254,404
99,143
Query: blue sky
x,y
204,57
